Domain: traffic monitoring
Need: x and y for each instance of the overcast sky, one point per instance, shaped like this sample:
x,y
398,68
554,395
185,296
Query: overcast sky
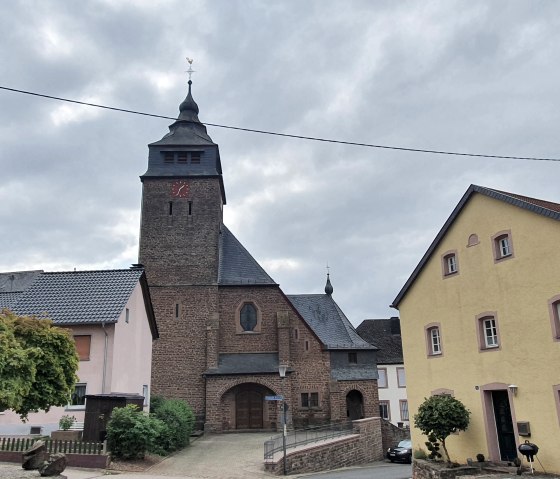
x,y
466,76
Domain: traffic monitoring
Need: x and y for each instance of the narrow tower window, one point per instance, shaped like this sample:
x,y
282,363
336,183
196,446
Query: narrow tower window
x,y
168,157
182,157
190,208
195,157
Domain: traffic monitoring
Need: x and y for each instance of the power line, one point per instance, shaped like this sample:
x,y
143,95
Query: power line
x,y
287,135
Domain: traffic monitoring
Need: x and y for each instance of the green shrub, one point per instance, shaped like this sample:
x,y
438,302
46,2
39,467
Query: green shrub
x,y
155,403
130,432
66,422
179,421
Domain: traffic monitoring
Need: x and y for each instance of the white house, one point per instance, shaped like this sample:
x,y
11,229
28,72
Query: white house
x,y
112,321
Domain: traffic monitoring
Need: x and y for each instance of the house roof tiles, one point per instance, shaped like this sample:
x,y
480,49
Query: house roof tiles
x,y
383,334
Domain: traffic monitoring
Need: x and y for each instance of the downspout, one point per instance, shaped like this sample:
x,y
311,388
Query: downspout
x,y
104,357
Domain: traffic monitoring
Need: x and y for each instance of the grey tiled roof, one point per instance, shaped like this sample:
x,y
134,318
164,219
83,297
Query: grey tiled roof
x,y
17,280
8,300
540,207
250,363
379,333
327,320
79,297
237,266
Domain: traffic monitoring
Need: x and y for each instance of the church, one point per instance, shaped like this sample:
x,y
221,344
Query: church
x,y
231,342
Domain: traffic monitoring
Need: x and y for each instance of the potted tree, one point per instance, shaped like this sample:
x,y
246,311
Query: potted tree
x,y
64,433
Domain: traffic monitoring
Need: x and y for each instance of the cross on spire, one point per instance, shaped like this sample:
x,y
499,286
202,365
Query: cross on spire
x,y
190,71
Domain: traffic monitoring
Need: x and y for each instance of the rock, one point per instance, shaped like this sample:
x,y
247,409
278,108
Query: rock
x,y
54,465
34,456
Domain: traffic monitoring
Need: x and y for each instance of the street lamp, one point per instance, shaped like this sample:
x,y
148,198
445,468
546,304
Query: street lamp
x,y
282,368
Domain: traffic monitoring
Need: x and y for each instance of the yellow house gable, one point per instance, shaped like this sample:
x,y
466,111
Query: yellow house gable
x,y
478,318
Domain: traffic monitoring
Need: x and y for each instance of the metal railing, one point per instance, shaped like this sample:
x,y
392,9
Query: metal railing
x,y
16,444
308,435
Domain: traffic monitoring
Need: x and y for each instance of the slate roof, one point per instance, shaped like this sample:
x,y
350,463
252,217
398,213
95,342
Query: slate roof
x,y
327,320
237,266
382,334
82,297
246,363
541,207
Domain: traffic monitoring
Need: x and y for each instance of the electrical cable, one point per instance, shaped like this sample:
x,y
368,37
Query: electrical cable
x,y
287,135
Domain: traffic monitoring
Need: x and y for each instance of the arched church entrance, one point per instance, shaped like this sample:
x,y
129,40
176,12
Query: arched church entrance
x,y
250,407
354,405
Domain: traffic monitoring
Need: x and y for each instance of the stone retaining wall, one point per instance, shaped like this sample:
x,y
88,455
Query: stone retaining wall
x,y
430,470
365,445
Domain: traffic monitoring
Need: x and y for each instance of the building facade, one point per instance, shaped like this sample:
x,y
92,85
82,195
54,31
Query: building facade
x,y
111,320
481,321
385,334
225,326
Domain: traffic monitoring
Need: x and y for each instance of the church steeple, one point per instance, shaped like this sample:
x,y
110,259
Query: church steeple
x,y
188,108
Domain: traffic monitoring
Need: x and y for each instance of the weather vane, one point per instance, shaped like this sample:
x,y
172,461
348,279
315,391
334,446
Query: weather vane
x,y
190,71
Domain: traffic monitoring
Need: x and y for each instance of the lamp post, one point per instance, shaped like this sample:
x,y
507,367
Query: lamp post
x,y
282,370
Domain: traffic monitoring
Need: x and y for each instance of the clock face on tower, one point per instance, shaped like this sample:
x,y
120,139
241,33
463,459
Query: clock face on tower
x,y
180,189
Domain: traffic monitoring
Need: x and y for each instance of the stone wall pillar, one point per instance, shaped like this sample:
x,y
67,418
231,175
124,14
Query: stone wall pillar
x,y
336,408
212,340
283,325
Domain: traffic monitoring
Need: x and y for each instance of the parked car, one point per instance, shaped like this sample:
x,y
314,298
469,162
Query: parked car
x,y
402,452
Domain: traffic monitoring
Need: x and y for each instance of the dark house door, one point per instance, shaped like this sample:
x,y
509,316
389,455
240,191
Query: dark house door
x,y
504,425
249,409
354,405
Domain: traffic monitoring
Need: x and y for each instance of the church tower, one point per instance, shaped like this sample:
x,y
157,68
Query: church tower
x,y
182,202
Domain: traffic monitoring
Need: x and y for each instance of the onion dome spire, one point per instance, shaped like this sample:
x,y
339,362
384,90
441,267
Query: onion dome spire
x,y
188,109
328,287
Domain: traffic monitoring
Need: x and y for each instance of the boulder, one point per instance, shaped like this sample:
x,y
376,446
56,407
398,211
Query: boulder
x,y
34,456
54,465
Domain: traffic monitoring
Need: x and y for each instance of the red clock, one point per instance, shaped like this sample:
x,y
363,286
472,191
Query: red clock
x,y
180,189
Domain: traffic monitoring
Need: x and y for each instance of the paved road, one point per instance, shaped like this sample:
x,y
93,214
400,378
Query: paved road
x,y
228,456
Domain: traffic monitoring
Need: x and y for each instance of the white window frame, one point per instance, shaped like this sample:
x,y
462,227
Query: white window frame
x,y
387,405
401,377
435,340
382,373
403,407
78,406
490,332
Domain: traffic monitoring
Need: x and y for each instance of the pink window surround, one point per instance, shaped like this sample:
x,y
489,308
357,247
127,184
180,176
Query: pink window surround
x,y
554,312
556,392
430,331
449,263
482,331
473,240
501,251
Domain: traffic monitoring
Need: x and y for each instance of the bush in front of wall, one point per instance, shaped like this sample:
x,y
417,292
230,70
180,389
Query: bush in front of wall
x,y
178,418
131,433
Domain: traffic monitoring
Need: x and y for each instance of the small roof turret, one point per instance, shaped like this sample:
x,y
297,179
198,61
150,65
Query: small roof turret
x,y
328,287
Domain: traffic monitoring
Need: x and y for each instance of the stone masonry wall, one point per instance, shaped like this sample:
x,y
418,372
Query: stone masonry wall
x,y
362,447
392,434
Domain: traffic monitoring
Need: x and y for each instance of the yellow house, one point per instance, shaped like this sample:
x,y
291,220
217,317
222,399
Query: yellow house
x,y
480,321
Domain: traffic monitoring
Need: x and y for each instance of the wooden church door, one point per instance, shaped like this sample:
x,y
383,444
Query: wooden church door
x,y
249,409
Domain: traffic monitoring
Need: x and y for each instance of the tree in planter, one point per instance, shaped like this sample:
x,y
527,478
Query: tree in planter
x,y
38,364
440,416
